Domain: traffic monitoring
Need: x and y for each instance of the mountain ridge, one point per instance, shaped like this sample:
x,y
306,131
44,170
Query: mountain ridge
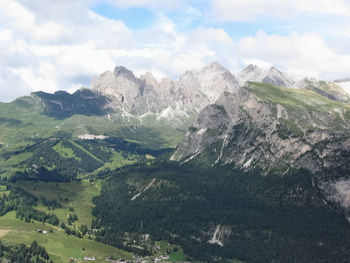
x,y
277,115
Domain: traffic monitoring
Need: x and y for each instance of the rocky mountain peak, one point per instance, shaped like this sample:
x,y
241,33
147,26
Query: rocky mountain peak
x,y
250,73
274,70
149,79
276,77
252,128
250,68
189,75
120,71
214,66
167,81
194,90
214,79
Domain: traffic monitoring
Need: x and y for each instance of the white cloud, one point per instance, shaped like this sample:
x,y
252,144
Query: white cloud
x,y
21,16
168,4
43,78
297,54
244,10
84,58
5,35
25,21
346,32
335,7
49,48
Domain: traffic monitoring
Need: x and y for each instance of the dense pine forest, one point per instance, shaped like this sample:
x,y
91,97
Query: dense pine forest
x,y
261,217
23,254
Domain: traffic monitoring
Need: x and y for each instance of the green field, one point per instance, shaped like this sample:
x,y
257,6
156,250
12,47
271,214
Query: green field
x,y
76,194
115,162
65,152
60,246
177,256
28,133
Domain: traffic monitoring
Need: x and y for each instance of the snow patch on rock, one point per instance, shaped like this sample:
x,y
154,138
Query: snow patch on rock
x,y
169,113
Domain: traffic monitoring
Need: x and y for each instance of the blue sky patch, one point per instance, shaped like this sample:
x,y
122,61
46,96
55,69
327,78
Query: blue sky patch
x,y
134,17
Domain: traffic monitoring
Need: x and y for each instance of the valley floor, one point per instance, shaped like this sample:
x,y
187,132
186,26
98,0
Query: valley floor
x,y
76,196
60,246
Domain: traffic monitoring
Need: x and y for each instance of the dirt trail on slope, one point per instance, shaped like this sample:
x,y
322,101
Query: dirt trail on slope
x,y
144,190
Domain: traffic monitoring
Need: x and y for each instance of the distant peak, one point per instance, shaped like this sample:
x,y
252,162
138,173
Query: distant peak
x,y
149,78
273,69
214,65
122,71
251,68
189,74
148,75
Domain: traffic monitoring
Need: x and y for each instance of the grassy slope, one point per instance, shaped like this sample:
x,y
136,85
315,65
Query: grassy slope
x,y
301,103
115,162
78,193
21,122
60,246
86,151
295,98
65,152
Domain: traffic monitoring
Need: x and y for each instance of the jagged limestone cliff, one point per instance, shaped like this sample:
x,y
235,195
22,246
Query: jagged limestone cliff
x,y
270,127
171,101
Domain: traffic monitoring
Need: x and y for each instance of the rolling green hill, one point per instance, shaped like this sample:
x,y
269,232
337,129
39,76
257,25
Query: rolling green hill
x,y
61,136
48,144
59,246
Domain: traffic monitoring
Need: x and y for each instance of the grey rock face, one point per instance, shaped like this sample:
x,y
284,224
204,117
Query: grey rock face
x,y
127,92
276,77
331,90
167,99
249,131
273,76
338,90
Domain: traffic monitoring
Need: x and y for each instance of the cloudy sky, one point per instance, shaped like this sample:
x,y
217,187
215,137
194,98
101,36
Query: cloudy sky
x,y
62,44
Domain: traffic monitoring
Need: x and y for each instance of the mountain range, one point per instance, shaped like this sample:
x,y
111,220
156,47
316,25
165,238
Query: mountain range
x,y
259,118
235,168
186,97
262,119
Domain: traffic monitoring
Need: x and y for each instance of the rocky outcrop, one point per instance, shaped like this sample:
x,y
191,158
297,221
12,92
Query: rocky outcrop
x,y
276,77
167,100
179,102
269,127
332,90
338,90
272,76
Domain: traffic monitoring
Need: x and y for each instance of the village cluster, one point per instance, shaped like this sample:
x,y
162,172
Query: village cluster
x,y
136,259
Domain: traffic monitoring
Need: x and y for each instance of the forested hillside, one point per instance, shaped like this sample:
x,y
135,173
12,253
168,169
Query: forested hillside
x,y
220,214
